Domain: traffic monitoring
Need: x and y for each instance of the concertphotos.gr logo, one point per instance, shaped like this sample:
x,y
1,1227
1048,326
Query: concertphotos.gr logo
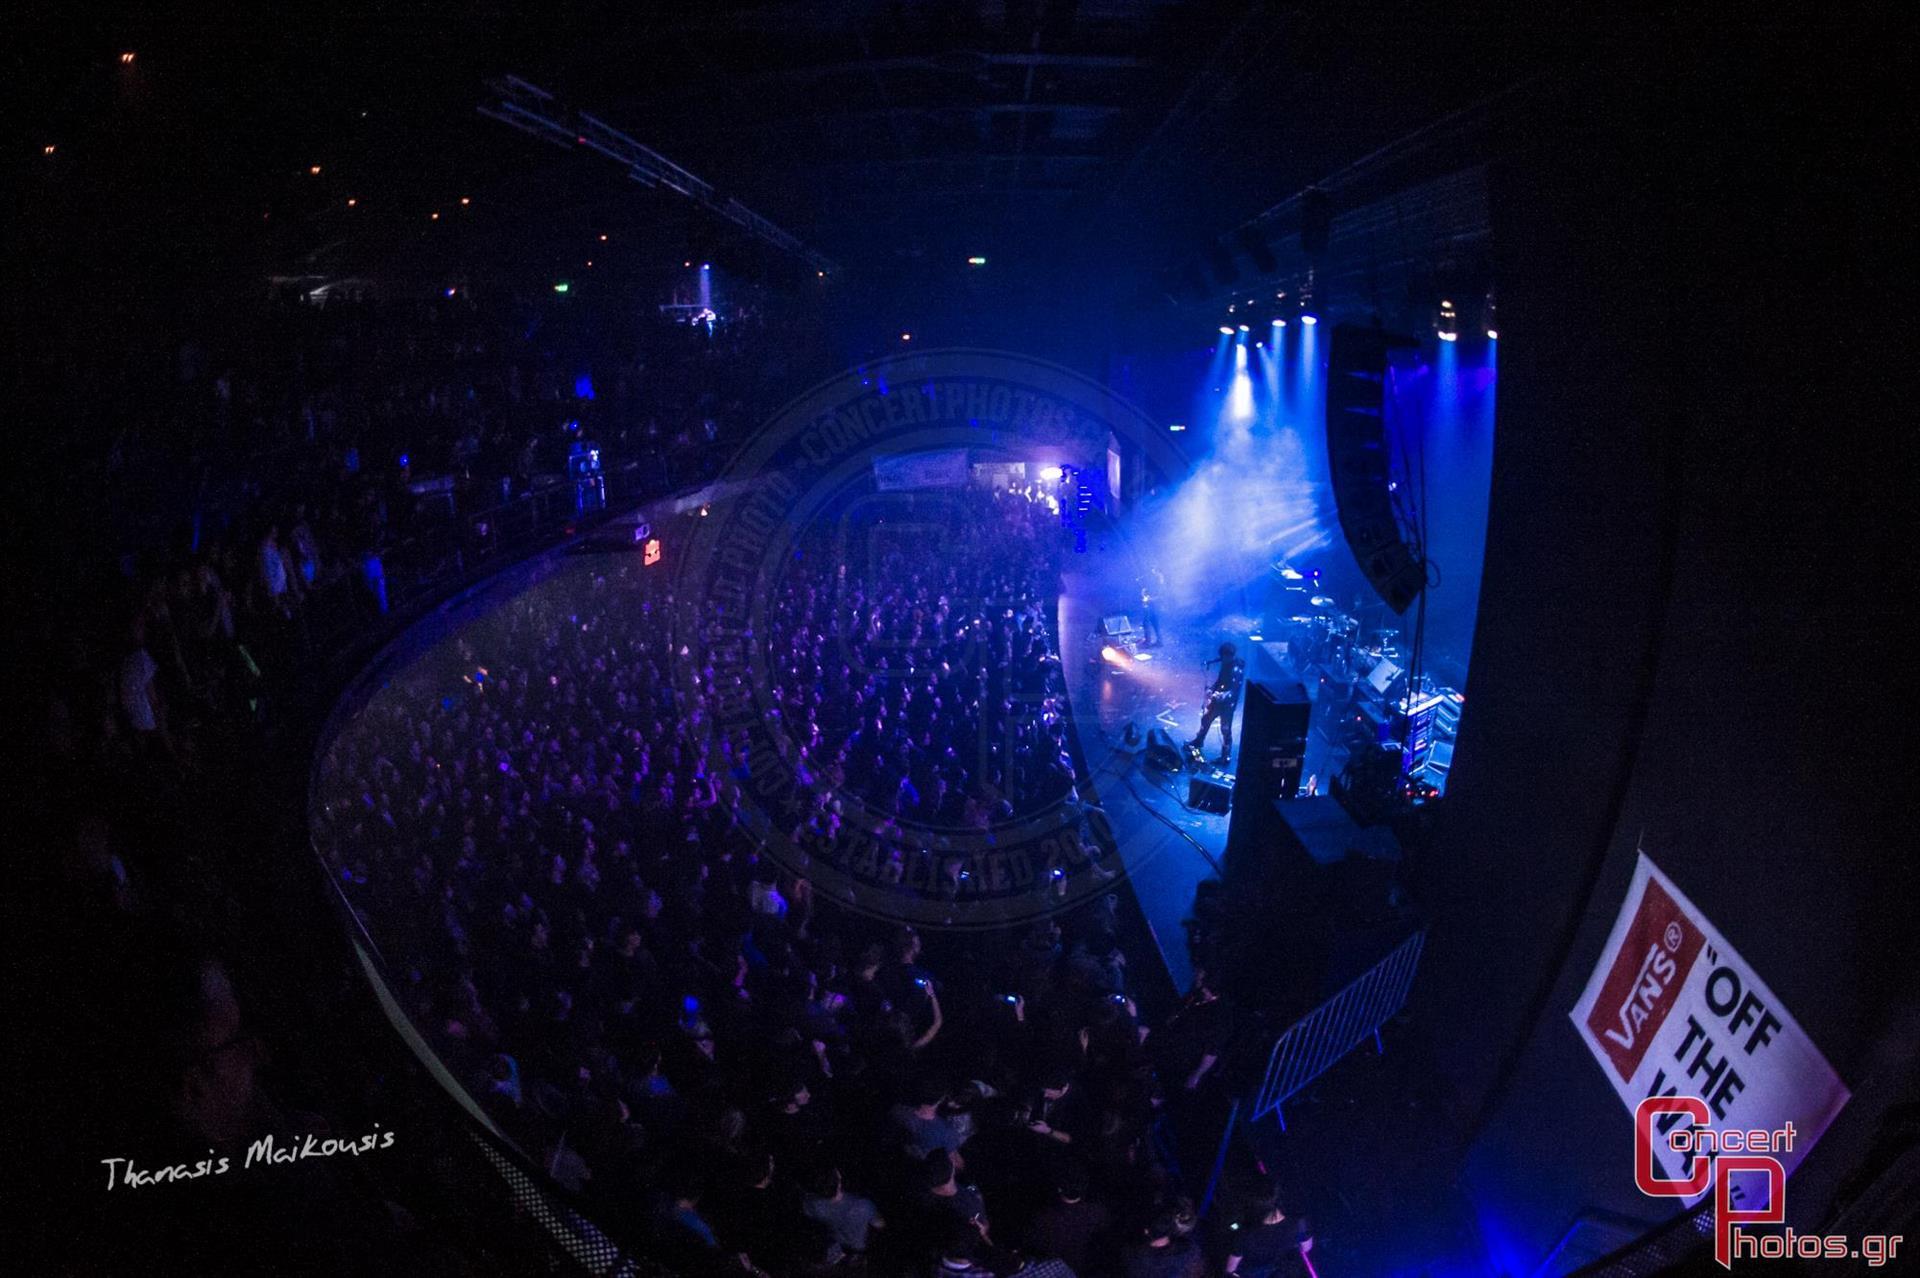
x,y
798,516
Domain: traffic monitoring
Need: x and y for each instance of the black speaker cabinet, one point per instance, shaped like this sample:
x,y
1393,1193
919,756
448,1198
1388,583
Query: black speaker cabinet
x,y
1209,794
1162,753
1274,721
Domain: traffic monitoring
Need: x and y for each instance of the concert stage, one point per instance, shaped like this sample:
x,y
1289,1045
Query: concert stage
x,y
1168,846
1171,846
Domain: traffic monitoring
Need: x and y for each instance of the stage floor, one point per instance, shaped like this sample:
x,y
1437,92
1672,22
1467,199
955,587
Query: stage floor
x,y
1167,847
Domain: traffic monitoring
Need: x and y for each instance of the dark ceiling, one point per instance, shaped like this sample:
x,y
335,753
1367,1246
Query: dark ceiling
x,y
1054,137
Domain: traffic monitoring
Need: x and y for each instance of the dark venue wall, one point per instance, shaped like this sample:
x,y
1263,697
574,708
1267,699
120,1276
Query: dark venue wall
x,y
1688,627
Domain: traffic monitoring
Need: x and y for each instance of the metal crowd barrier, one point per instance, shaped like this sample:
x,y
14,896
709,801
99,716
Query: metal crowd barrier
x,y
1316,1042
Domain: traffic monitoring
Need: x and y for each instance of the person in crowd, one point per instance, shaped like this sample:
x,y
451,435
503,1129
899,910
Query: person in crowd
x,y
851,1217
1162,1251
1273,1245
1074,1226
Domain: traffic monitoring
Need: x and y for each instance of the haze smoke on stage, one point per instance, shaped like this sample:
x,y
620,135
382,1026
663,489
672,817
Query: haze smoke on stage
x,y
1258,496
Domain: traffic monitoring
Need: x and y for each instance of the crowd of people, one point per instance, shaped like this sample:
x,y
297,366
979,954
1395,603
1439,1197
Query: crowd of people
x,y
548,829
299,469
545,826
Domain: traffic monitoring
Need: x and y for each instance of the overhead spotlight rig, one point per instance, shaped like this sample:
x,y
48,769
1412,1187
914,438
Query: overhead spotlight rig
x,y
535,112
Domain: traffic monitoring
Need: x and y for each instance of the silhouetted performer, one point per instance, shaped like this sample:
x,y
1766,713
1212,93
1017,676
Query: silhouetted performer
x,y
1223,698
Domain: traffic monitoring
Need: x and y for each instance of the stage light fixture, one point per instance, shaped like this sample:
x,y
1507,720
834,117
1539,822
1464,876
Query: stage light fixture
x,y
464,201
976,260
351,202
1051,474
1448,326
126,59
1245,329
314,169
1226,330
603,237
906,337
562,287
705,266
1492,336
1176,427
47,149
1309,320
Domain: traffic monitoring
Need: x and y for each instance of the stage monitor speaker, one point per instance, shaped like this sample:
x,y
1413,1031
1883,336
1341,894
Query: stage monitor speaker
x,y
1209,794
1359,456
1162,753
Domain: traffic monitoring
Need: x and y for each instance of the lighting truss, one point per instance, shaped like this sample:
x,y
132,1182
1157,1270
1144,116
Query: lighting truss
x,y
534,111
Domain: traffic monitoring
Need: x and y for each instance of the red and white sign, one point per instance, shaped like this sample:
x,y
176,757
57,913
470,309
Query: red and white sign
x,y
1671,1009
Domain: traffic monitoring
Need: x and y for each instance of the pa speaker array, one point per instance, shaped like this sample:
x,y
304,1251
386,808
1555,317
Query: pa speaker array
x,y
1358,452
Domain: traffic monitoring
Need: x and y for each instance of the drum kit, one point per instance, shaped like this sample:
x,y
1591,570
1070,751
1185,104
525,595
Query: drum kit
x,y
1329,636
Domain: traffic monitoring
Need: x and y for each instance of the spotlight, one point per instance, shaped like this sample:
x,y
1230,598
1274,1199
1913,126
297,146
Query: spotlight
x,y
1176,427
1309,320
314,169
352,203
705,266
1449,324
1244,328
451,292
126,59
1051,473
906,337
47,149
603,237
435,217
976,261
464,201
1114,657
1492,336
562,287
820,274
1279,323
1226,330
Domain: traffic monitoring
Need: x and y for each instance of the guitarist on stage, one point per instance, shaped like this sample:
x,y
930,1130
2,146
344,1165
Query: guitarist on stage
x,y
1223,698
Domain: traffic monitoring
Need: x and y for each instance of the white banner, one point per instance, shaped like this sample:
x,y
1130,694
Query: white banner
x,y
1672,1009
946,469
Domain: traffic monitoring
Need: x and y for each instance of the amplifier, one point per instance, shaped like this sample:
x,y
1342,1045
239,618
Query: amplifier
x,y
1210,793
1162,753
